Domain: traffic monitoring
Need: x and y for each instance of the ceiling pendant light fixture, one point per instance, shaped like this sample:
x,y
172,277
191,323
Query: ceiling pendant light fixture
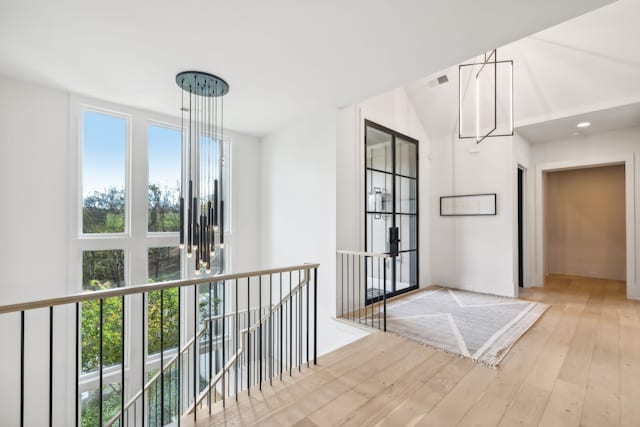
x,y
201,199
485,98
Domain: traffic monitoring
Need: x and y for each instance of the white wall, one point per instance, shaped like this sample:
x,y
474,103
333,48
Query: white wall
x,y
33,220
298,211
473,253
245,175
33,189
623,144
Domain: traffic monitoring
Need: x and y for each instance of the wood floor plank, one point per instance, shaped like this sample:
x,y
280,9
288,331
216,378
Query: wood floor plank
x,y
459,400
578,365
602,398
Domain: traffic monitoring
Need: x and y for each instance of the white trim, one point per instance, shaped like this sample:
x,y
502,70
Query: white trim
x,y
633,292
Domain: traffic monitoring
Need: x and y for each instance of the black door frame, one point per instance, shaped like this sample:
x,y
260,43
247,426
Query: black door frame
x,y
394,134
520,197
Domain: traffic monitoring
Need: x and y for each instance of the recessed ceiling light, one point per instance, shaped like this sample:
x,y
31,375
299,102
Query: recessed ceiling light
x,y
583,124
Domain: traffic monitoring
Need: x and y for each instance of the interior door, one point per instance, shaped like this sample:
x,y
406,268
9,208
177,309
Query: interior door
x,y
391,200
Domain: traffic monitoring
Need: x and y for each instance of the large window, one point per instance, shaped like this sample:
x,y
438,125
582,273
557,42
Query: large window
x,y
127,224
104,173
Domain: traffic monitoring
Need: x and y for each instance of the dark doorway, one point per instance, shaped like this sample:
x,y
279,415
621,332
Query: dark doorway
x,y
520,228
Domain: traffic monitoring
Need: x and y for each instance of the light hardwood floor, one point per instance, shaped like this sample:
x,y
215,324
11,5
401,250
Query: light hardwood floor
x,y
578,365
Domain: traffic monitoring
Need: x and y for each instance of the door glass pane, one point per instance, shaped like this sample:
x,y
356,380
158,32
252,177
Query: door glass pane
x,y
379,154
406,195
406,163
408,230
406,270
377,232
165,153
104,148
379,195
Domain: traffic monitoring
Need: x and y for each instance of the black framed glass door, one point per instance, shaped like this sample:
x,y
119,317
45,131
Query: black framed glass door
x,y
391,200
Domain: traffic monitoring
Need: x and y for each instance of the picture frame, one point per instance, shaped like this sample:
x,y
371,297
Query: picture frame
x,y
469,205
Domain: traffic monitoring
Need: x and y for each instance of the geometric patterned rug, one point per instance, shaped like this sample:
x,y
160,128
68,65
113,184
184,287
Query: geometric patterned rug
x,y
480,327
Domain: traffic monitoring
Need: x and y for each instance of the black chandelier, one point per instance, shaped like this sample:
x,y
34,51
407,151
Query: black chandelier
x,y
202,216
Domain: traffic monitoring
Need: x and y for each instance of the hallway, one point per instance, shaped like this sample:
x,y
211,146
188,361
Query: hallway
x,y
578,365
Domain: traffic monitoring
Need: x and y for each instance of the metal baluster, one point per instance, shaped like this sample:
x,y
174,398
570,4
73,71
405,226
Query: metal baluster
x,y
271,329
216,331
77,363
372,298
22,368
100,381
248,337
306,286
384,296
224,360
122,365
348,302
144,351
378,298
210,351
195,349
359,287
50,366
315,316
299,322
178,380
280,337
290,326
353,287
242,356
162,357
342,284
260,326
236,341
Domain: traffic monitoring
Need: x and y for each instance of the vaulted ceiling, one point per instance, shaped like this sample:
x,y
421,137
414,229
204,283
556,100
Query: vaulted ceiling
x,y
282,58
587,68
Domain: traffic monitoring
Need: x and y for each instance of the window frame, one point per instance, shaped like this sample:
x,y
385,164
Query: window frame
x,y
136,239
128,117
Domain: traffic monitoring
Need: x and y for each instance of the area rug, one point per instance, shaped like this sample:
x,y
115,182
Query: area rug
x,y
477,326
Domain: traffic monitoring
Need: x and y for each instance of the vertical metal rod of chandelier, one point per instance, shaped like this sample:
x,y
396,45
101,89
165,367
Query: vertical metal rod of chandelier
x,y
202,216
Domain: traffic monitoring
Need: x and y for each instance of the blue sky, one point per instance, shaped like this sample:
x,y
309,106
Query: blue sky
x,y
104,153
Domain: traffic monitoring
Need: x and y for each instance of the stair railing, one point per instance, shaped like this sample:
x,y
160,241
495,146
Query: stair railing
x,y
362,286
234,342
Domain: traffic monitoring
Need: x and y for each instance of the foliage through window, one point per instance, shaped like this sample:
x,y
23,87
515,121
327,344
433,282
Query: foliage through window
x,y
164,264
165,153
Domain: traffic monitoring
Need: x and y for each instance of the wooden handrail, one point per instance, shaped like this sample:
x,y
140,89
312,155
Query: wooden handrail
x,y
365,254
149,287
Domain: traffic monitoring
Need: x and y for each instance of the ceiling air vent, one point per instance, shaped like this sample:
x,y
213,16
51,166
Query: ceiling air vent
x,y
439,81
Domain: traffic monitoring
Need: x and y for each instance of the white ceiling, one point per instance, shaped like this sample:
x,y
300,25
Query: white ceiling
x,y
590,64
282,58
620,117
